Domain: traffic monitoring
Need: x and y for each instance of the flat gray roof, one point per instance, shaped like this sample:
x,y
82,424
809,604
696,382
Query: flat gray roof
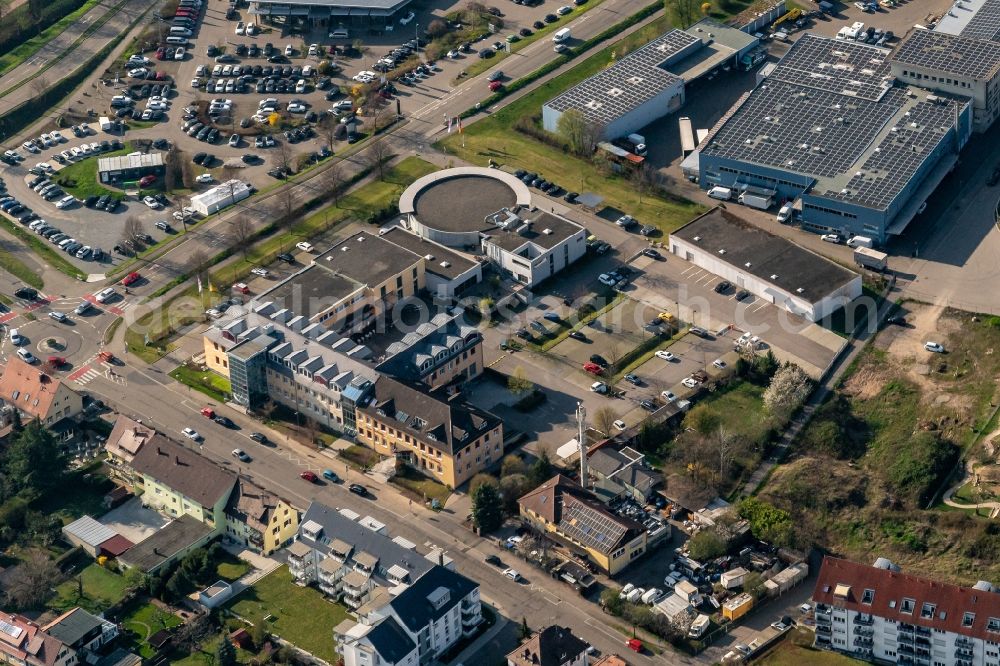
x,y
123,162
977,19
461,203
275,6
311,290
770,258
165,543
546,231
457,264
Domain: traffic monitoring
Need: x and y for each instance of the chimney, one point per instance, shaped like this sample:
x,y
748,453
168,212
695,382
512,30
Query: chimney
x,y
177,460
159,451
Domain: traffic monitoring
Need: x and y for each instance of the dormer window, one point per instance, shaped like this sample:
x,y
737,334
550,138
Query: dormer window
x,y
927,611
868,596
993,624
968,619
908,605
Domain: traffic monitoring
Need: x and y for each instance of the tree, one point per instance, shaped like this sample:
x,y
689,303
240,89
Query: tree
x,y
512,464
242,232
788,389
171,165
436,28
706,545
644,179
198,263
604,419
35,461
512,488
380,113
226,654
28,584
518,382
133,227
287,200
376,157
190,635
328,129
614,357
135,579
541,471
580,134
334,176
283,157
481,479
487,507
682,13
703,419
229,172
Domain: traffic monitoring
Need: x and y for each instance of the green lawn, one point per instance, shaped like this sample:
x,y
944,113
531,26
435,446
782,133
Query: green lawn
x,y
80,178
82,494
795,651
359,457
740,410
45,250
101,588
206,656
141,621
16,56
421,488
231,568
20,270
495,138
204,381
300,615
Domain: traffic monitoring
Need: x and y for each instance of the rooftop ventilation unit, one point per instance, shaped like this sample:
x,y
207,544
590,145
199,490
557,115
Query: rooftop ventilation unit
x,y
799,290
429,257
722,250
747,264
697,238
547,231
445,264
774,276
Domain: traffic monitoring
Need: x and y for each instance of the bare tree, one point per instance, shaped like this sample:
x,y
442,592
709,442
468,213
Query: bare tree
x,y
171,164
682,13
380,115
376,157
133,227
518,382
187,174
334,177
614,356
644,179
287,199
190,635
242,232
28,585
198,263
283,157
39,85
580,134
604,419
328,130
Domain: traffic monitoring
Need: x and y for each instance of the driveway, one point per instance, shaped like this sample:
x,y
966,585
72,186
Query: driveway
x,y
133,521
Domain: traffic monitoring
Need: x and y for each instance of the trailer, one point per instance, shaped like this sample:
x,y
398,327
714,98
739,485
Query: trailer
x,y
619,156
699,626
757,198
687,136
874,260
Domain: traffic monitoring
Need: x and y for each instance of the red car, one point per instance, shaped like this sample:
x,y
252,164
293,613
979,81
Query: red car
x,y
308,476
130,279
592,368
161,53
56,361
634,644
208,412
495,86
146,181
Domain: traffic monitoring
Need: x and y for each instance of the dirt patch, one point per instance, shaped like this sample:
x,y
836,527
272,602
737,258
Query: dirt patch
x,y
866,383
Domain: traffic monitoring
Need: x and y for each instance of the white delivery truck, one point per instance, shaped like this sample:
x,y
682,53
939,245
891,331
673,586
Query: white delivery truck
x,y
561,36
860,241
871,259
756,200
699,626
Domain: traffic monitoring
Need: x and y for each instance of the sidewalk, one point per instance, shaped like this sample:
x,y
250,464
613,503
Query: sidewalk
x,y
479,643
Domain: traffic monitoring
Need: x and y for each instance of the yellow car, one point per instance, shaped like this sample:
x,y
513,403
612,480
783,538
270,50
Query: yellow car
x,y
666,316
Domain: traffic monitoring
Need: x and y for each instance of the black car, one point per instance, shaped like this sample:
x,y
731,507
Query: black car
x,y
27,293
285,257
577,335
358,489
112,205
259,437
599,360
742,295
198,159
161,144
538,25
524,334
648,405
102,201
525,32
897,320
551,18
276,173
90,201
494,560
224,421
520,173
486,53
723,287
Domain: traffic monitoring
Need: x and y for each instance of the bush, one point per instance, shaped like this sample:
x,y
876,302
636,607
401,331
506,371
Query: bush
x,y
918,467
706,545
768,522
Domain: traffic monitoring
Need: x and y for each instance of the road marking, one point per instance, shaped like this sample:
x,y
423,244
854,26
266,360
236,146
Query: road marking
x,y
84,375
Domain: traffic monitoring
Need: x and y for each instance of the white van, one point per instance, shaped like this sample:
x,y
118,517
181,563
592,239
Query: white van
x,y
785,213
180,32
340,33
721,193
561,36
180,41
860,241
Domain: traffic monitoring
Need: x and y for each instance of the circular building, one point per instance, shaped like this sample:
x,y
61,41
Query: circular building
x,y
454,207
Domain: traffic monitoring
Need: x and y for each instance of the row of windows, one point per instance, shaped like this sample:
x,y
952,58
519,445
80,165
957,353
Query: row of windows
x,y
830,211
766,179
938,79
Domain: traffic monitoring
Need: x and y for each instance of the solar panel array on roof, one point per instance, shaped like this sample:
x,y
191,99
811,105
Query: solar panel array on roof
x,y
891,165
630,82
590,527
836,66
986,22
803,131
960,55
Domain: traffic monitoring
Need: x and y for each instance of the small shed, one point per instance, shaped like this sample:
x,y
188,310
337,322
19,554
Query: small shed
x,y
88,534
215,594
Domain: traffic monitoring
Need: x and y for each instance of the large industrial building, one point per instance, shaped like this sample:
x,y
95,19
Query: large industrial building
x,y
649,83
769,267
831,126
346,19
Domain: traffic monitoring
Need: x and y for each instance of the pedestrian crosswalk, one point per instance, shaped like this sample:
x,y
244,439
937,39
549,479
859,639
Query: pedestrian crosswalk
x,y
85,375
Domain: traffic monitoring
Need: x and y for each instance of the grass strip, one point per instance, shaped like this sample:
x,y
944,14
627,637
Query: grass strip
x,y
20,270
19,54
203,381
43,249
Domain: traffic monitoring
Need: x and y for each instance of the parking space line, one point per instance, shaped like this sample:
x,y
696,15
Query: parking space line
x,y
691,269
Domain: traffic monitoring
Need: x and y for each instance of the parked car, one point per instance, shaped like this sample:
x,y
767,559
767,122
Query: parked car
x,y
308,476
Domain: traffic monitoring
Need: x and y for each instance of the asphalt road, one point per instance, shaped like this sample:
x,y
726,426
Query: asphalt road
x,y
158,401
62,63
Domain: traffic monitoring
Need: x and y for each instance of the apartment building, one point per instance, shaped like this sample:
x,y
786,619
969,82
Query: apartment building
x,y
177,481
437,434
352,558
259,519
533,246
84,633
877,613
267,353
442,351
126,438
416,625
552,646
566,512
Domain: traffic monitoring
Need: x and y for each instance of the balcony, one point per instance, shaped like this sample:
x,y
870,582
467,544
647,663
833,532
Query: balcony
x,y
964,641
329,589
964,653
922,631
864,620
864,631
863,642
905,649
823,629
